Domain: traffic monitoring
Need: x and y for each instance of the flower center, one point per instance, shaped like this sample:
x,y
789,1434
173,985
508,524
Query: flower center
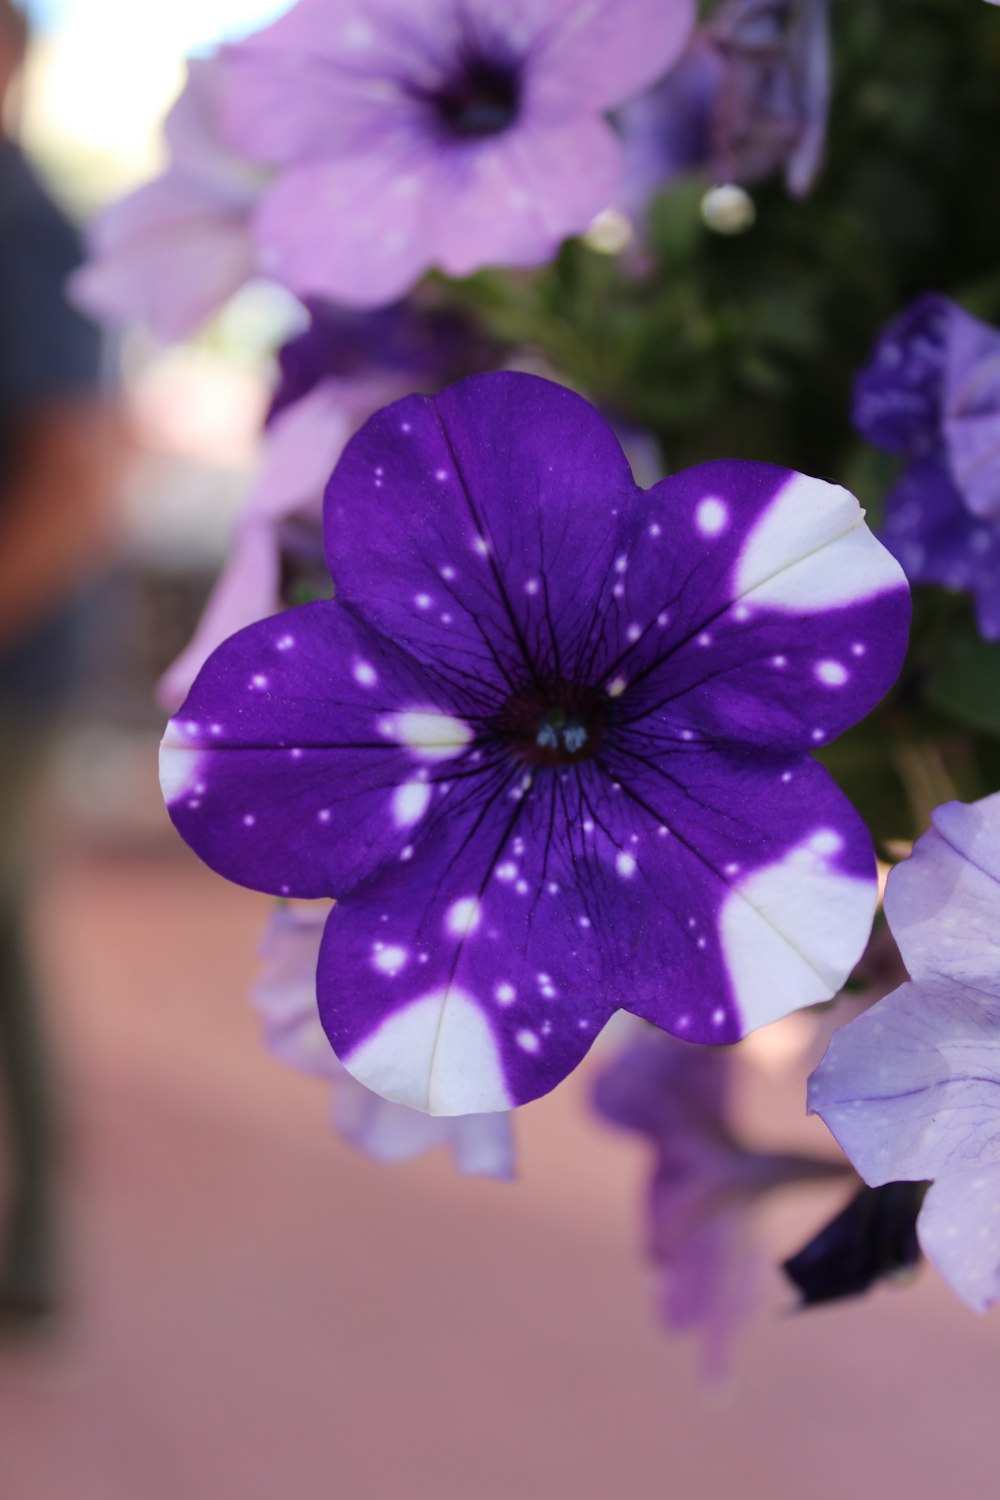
x,y
482,99
556,723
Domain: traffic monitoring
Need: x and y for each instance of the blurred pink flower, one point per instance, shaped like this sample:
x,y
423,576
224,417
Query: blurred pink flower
x,y
285,996
173,251
457,133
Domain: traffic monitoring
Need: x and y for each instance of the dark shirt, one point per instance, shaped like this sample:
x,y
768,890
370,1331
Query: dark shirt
x,y
48,353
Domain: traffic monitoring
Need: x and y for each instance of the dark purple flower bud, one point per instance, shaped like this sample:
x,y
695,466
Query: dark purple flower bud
x,y
873,1237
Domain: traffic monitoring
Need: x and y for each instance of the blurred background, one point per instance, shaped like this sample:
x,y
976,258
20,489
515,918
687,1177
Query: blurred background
x,y
240,1304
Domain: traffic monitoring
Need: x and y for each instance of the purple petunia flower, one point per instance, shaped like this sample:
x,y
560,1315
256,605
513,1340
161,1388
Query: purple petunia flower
x,y
455,133
173,251
932,392
549,746
750,96
285,996
911,1089
704,1186
332,377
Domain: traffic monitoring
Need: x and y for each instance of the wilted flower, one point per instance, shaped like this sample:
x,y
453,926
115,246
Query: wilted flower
x,y
911,1089
704,1186
172,252
332,377
932,392
549,745
285,995
455,133
750,96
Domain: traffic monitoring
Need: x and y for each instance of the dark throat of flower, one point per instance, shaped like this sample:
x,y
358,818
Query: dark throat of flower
x,y
481,98
555,723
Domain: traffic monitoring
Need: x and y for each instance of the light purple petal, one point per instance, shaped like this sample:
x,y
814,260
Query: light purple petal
x,y
971,422
959,1228
911,1089
172,252
943,903
166,256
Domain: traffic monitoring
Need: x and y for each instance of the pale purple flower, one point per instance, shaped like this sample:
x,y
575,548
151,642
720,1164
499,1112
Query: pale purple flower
x,y
285,996
704,1187
407,134
750,97
332,377
911,1089
932,392
549,745
174,250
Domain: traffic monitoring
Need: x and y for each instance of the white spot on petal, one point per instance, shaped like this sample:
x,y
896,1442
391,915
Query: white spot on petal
x,y
463,916
711,516
389,960
410,802
832,673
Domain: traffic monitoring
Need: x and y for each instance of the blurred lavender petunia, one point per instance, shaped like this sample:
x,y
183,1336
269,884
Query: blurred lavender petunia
x,y
407,134
911,1089
173,251
285,996
932,392
550,743
704,1185
344,366
750,96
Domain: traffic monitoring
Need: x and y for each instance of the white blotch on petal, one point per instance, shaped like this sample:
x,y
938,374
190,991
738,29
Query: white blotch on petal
x,y
528,1041
811,551
711,516
792,931
430,734
365,674
409,803
436,1054
616,687
625,865
505,993
390,959
422,601
832,673
463,916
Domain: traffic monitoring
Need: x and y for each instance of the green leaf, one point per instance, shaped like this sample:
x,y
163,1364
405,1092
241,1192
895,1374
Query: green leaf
x,y
965,683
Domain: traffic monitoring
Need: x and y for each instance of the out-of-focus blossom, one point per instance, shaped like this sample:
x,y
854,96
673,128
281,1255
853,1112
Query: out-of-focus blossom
x,y
285,996
932,392
172,252
447,134
549,742
704,1186
343,367
911,1089
872,1238
750,96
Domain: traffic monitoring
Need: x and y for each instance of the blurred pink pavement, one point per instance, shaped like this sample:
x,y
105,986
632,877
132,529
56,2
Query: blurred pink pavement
x,y
257,1311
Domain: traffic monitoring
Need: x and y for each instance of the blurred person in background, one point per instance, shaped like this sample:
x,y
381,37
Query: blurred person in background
x,y
53,494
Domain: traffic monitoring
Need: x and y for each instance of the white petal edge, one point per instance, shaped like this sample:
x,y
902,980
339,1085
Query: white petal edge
x,y
437,1055
791,933
811,550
